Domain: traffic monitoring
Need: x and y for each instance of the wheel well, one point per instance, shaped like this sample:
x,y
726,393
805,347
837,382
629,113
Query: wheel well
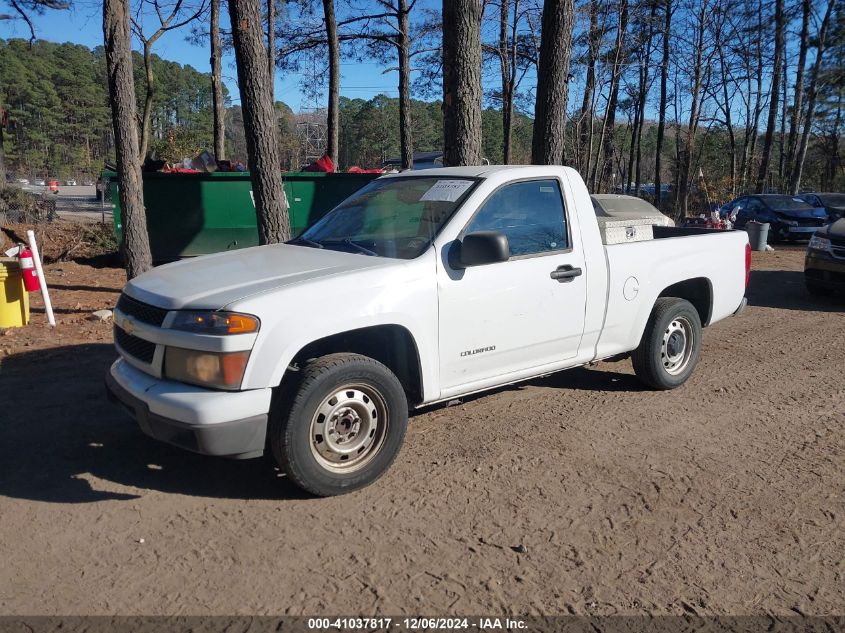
x,y
698,292
391,345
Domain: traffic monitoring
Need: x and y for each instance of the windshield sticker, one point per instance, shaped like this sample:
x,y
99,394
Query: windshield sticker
x,y
446,190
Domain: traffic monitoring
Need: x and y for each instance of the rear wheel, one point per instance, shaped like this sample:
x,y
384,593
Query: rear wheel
x,y
670,346
341,426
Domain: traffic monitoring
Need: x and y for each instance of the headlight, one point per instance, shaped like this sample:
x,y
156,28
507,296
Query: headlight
x,y
206,369
818,243
209,322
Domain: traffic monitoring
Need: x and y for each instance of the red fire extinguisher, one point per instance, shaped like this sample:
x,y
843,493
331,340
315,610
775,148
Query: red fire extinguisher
x,y
30,276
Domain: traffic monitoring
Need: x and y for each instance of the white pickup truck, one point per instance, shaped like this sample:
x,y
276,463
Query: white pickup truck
x,y
421,287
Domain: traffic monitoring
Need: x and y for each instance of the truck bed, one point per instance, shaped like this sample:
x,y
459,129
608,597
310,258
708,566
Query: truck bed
x,y
638,272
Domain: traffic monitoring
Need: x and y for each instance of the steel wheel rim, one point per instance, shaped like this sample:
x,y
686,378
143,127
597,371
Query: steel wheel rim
x,y
348,428
677,346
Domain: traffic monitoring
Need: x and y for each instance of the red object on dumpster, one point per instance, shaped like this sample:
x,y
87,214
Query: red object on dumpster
x,y
323,164
360,170
30,276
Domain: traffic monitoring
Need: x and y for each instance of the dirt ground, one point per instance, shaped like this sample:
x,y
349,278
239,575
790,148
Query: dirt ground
x,y
578,493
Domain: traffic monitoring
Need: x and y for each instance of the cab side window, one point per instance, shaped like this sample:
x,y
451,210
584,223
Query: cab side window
x,y
529,213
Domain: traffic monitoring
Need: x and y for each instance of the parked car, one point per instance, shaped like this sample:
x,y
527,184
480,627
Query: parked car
x,y
23,181
824,265
833,203
40,182
789,218
419,288
422,160
70,183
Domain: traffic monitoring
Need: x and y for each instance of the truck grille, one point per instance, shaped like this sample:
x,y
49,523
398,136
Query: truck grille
x,y
141,311
134,346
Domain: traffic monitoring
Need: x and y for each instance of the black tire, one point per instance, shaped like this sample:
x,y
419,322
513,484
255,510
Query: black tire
x,y
653,366
816,289
305,446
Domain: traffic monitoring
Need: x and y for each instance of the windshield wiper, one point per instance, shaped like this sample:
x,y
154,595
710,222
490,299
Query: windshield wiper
x,y
306,241
360,248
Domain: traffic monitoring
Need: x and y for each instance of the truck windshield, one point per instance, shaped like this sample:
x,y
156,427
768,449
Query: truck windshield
x,y
390,217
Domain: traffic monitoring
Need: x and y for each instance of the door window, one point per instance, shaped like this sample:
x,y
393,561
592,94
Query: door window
x,y
529,213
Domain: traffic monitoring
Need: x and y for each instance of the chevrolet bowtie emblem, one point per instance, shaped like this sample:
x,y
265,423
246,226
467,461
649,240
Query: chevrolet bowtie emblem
x,y
128,326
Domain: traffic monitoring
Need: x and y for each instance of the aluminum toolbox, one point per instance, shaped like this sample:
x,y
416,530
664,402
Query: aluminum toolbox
x,y
615,231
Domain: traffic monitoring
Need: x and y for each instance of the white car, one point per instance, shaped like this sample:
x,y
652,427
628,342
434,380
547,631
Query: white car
x,y
420,288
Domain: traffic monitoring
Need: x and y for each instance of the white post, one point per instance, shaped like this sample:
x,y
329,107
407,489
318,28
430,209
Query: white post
x,y
48,307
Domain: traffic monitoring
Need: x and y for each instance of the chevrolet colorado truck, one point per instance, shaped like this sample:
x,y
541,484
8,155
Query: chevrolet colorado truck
x,y
421,287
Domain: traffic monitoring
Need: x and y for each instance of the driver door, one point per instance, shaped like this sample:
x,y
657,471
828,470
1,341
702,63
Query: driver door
x,y
503,318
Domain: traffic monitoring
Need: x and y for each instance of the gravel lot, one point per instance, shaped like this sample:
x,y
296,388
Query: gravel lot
x,y
578,493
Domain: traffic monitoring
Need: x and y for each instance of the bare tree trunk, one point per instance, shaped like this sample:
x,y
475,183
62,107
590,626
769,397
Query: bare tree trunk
x,y
797,100
148,99
505,70
728,117
585,118
271,48
618,58
461,82
552,71
259,115
406,134
783,114
774,99
2,150
632,150
751,145
217,84
701,74
661,115
812,93
118,44
333,115
596,171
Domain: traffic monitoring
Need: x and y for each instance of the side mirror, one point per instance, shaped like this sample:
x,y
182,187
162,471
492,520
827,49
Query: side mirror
x,y
482,247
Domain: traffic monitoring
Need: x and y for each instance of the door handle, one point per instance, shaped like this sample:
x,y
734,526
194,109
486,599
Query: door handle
x,y
565,274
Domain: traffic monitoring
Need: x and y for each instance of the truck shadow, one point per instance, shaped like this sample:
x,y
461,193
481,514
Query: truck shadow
x,y
62,441
785,289
579,378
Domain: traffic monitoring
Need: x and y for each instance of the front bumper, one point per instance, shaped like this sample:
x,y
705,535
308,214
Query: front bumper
x,y
823,269
786,231
230,424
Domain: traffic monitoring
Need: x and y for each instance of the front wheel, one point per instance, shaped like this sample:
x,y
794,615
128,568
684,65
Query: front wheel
x,y
341,426
671,344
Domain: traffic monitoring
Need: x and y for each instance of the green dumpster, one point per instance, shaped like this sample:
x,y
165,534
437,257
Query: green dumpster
x,y
197,214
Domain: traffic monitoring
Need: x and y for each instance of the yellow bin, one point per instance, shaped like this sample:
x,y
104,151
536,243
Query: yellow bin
x,y
14,302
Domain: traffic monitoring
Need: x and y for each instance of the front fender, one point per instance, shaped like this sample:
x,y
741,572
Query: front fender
x,y
296,317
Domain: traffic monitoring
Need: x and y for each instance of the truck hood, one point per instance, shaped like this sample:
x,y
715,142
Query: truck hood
x,y
212,282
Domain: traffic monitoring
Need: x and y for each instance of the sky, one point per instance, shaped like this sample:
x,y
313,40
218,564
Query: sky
x,y
82,24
